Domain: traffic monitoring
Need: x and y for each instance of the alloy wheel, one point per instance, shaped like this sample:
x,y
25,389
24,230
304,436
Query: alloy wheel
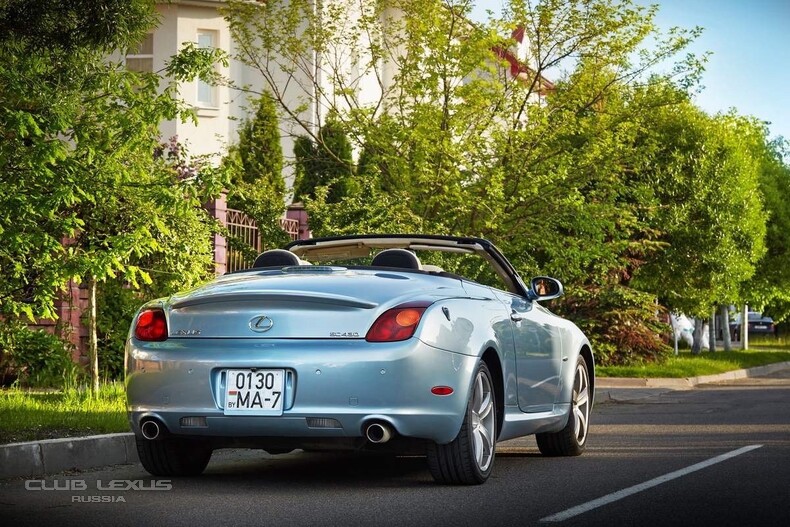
x,y
581,403
483,425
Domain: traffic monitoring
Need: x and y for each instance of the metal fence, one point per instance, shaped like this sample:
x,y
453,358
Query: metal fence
x,y
244,229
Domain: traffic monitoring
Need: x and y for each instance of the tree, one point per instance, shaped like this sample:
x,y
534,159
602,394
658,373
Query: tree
x,y
769,287
707,205
182,258
82,195
461,132
457,125
259,149
326,163
256,164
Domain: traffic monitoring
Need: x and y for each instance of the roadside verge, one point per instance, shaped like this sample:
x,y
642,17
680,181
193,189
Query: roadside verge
x,y
688,382
51,456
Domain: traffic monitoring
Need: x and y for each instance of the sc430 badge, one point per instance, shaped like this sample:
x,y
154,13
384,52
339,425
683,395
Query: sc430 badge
x,y
344,334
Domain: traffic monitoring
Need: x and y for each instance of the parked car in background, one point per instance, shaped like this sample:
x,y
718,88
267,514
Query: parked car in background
x,y
360,343
758,325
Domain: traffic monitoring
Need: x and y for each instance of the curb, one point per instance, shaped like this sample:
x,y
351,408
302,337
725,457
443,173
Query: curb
x,y
50,456
688,382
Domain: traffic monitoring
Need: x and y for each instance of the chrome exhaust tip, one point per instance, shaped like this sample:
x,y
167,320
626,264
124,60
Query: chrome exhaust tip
x,y
150,429
378,433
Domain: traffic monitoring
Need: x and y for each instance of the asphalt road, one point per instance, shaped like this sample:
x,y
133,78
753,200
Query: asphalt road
x,y
718,454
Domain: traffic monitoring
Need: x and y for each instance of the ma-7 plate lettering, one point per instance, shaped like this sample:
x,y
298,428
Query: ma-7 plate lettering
x,y
254,392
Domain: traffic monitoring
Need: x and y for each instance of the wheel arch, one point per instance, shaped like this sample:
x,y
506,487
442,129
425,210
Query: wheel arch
x,y
492,360
586,352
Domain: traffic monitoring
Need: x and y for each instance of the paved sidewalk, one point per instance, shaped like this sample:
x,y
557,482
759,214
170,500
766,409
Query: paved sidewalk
x,y
51,456
614,389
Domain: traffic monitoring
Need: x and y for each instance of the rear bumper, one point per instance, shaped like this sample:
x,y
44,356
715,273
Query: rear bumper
x,y
350,381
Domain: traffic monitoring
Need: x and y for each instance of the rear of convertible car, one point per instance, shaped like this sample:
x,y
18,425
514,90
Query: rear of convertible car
x,y
314,358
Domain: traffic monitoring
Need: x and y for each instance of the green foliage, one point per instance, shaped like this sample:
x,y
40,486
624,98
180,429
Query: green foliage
x,y
81,191
117,305
85,193
304,183
391,213
769,289
704,195
182,258
36,358
69,25
193,62
255,165
590,164
391,173
259,148
622,323
326,163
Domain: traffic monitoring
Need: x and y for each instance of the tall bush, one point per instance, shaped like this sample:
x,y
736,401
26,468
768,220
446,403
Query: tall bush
x,y
256,165
327,162
36,358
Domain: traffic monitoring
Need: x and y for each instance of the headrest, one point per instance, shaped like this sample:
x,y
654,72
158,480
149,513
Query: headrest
x,y
396,258
276,258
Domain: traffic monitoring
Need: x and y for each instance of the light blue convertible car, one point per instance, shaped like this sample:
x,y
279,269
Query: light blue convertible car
x,y
371,342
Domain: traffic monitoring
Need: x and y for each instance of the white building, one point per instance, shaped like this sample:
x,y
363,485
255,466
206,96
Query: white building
x,y
196,21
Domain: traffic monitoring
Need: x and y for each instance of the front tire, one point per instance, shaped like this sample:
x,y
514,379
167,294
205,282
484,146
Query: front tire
x,y
571,440
173,457
469,458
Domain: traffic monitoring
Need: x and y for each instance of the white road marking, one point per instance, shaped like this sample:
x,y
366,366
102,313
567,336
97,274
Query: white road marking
x,y
620,494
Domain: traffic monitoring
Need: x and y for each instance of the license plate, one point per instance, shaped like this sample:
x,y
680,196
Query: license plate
x,y
254,392
760,327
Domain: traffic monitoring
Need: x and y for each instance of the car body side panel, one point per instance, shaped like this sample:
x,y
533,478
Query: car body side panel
x,y
518,423
471,326
574,341
540,353
540,356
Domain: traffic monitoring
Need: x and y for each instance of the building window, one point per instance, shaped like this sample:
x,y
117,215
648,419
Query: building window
x,y
142,58
206,93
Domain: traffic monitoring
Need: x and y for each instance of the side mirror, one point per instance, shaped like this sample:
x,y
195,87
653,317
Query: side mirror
x,y
545,288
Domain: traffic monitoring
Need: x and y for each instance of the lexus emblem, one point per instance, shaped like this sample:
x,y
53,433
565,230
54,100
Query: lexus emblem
x,y
261,324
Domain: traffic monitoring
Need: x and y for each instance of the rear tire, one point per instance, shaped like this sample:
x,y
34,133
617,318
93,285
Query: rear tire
x,y
173,457
571,440
469,458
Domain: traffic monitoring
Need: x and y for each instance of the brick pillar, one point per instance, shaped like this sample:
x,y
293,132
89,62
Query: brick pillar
x,y
297,212
68,325
69,307
218,209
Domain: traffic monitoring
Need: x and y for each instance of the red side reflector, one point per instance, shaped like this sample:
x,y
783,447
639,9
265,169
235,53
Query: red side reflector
x,y
151,325
441,390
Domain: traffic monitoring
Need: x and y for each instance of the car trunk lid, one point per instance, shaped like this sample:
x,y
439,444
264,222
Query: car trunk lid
x,y
308,303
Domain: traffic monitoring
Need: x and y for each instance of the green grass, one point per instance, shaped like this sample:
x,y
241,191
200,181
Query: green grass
x,y
706,363
27,415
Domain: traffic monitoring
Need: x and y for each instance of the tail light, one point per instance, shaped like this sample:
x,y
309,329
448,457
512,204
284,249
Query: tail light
x,y
398,323
151,325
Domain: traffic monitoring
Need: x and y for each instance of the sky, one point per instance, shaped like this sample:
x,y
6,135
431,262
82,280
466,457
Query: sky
x,y
749,68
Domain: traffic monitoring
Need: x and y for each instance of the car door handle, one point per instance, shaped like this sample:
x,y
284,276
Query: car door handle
x,y
515,317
